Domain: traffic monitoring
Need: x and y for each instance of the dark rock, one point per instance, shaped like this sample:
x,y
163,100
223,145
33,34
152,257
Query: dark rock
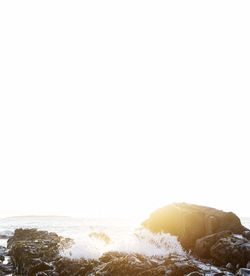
x,y
41,266
180,269
122,264
229,266
243,272
66,266
6,269
33,251
231,249
2,251
203,245
179,219
246,234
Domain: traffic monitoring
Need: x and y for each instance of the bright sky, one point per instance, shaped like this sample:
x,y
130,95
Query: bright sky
x,y
115,108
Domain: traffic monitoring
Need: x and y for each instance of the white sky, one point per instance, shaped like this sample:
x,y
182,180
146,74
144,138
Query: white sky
x,y
115,108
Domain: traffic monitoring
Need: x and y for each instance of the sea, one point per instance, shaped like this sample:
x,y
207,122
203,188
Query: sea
x,y
124,235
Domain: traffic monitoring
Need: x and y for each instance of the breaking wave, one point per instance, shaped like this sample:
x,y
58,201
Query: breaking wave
x,y
141,241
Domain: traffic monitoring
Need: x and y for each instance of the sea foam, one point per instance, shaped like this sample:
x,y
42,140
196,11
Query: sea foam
x,y
140,241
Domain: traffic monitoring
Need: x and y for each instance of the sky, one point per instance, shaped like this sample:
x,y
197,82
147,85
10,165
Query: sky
x,y
116,108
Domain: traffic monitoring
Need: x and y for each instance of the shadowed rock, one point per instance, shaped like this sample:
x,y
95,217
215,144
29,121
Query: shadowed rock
x,y
231,249
34,251
203,245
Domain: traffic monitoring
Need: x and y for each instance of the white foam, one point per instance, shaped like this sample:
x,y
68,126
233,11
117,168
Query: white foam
x,y
142,241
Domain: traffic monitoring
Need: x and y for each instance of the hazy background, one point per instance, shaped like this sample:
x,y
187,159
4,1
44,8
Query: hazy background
x,y
114,108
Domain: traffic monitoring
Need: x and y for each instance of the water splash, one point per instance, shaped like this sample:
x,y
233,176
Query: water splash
x,y
140,241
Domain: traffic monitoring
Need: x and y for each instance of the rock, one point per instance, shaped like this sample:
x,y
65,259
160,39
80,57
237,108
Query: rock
x,y
123,264
229,266
39,267
179,219
246,234
33,251
181,268
66,266
203,245
6,269
6,266
248,265
231,249
243,272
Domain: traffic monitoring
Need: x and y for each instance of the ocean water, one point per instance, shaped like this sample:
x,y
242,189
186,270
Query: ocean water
x,y
125,235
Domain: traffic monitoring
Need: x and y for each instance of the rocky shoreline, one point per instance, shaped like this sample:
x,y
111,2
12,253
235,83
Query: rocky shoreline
x,y
216,244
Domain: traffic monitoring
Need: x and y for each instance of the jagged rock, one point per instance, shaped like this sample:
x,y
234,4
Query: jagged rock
x,y
180,269
246,234
123,264
66,266
203,245
229,266
6,266
231,249
243,272
6,269
33,251
191,222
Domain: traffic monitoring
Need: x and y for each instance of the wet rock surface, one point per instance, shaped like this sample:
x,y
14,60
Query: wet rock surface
x,y
231,249
34,251
6,266
203,245
38,253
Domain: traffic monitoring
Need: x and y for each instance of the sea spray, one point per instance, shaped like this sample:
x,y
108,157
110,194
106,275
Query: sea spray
x,y
140,241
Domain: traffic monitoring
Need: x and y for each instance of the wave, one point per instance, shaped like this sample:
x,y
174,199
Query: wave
x,y
141,241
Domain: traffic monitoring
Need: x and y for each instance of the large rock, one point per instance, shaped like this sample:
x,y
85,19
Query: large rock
x,y
191,222
204,244
231,249
33,251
